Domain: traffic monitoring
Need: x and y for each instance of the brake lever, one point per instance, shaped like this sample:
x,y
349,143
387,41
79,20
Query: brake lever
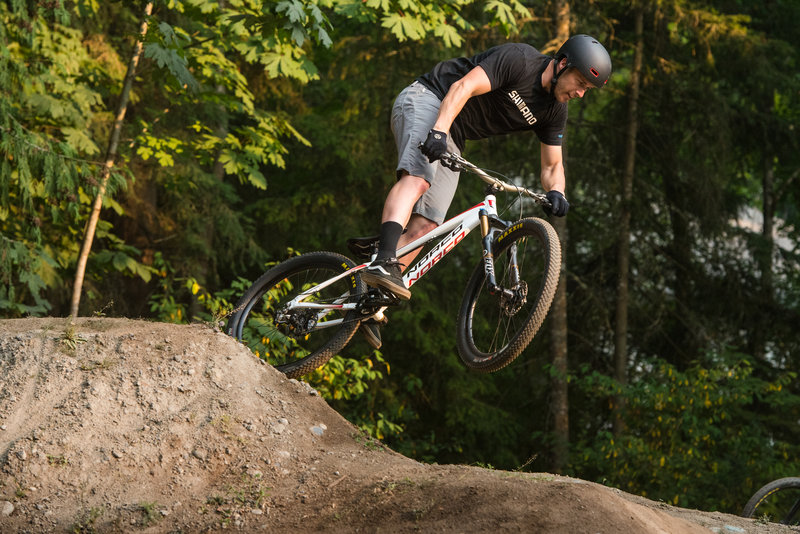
x,y
449,161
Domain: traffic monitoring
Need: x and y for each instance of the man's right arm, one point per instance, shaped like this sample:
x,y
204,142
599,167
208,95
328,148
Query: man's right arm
x,y
474,83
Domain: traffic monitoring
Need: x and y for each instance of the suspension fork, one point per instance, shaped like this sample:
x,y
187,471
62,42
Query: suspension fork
x,y
490,224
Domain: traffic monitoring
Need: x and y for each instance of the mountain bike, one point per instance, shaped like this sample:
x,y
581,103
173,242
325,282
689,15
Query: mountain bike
x,y
778,501
305,310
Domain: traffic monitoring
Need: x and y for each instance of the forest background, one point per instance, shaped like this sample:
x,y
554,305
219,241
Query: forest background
x,y
257,130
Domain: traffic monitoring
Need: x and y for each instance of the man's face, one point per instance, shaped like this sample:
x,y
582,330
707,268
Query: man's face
x,y
571,84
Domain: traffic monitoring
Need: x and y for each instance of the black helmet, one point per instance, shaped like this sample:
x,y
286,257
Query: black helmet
x,y
586,54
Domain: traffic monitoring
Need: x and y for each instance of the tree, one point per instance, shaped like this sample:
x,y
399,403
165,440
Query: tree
x,y
50,106
623,244
559,404
111,154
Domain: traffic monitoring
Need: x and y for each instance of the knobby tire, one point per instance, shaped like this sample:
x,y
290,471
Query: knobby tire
x,y
779,501
491,333
254,319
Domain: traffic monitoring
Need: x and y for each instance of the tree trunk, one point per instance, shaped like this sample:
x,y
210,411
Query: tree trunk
x,y
623,242
111,154
758,336
559,404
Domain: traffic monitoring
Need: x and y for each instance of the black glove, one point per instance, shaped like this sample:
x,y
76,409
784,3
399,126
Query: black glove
x,y
558,204
435,145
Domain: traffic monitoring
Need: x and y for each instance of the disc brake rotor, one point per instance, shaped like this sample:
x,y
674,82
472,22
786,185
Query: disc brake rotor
x,y
514,303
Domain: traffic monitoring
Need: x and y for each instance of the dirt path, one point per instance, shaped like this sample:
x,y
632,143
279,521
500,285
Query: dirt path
x,y
115,425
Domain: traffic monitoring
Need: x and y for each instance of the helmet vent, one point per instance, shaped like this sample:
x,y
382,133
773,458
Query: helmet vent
x,y
594,72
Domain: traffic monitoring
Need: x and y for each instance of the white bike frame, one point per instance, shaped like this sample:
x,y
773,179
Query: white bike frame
x,y
452,232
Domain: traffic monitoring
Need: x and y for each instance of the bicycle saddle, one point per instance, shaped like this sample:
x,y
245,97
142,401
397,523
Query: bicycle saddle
x,y
363,247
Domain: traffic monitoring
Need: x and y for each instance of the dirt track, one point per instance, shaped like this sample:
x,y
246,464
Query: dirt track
x,y
115,425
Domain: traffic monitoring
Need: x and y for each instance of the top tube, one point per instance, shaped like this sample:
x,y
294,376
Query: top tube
x,y
454,159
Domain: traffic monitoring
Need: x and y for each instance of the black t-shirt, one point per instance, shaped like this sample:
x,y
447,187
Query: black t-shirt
x,y
516,102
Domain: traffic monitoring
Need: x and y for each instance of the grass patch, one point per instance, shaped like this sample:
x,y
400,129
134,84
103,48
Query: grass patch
x,y
86,523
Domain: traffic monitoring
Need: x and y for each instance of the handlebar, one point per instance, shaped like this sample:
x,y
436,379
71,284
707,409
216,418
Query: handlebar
x,y
460,163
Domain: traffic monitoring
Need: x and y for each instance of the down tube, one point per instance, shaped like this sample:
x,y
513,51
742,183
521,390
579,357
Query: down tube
x,y
461,226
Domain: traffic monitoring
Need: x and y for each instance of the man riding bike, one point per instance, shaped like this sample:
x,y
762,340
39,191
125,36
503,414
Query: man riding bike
x,y
509,88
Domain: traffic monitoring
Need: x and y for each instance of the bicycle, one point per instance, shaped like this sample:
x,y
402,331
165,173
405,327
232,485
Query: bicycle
x,y
303,311
778,501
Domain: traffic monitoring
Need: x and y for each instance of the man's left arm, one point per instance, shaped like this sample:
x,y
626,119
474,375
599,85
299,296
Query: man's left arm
x,y
553,179
553,169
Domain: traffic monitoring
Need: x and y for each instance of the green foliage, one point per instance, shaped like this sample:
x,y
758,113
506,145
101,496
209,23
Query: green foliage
x,y
410,20
346,378
353,386
49,107
214,307
694,438
166,303
22,269
166,47
163,303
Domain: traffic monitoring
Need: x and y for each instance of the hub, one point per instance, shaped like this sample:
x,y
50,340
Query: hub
x,y
512,301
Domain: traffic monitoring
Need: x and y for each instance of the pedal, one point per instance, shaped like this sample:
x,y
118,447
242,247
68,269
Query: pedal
x,y
374,299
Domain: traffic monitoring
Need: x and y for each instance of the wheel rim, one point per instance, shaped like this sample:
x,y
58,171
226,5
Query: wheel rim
x,y
496,321
780,506
282,338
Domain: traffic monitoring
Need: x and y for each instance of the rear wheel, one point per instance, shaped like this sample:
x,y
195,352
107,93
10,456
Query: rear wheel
x,y
778,501
296,342
493,329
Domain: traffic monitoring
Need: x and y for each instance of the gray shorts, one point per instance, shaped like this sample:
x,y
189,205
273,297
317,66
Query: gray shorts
x,y
413,115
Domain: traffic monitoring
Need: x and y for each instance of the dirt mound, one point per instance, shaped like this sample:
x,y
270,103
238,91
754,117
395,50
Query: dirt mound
x,y
113,425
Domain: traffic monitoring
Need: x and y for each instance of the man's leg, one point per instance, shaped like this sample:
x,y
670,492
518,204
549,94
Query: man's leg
x,y
397,211
386,271
417,220
431,209
414,112
417,227
402,197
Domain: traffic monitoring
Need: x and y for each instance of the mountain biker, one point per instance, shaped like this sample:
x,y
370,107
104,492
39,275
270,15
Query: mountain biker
x,y
511,87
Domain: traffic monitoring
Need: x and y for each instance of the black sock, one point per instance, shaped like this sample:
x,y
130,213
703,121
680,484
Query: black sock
x,y
390,235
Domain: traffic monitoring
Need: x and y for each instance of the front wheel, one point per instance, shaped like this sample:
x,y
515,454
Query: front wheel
x,y
297,341
778,501
493,329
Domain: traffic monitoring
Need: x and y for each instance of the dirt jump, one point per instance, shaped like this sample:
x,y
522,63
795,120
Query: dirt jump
x,y
116,425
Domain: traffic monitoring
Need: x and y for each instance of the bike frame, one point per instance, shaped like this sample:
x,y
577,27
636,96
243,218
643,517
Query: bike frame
x,y
451,232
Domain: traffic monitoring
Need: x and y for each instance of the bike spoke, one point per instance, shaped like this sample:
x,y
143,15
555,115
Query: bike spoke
x,y
792,518
495,327
281,334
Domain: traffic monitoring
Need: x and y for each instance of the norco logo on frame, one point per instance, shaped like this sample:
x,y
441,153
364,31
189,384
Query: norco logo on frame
x,y
522,107
436,254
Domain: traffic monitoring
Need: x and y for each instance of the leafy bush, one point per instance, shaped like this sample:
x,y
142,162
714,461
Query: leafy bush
x,y
693,438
